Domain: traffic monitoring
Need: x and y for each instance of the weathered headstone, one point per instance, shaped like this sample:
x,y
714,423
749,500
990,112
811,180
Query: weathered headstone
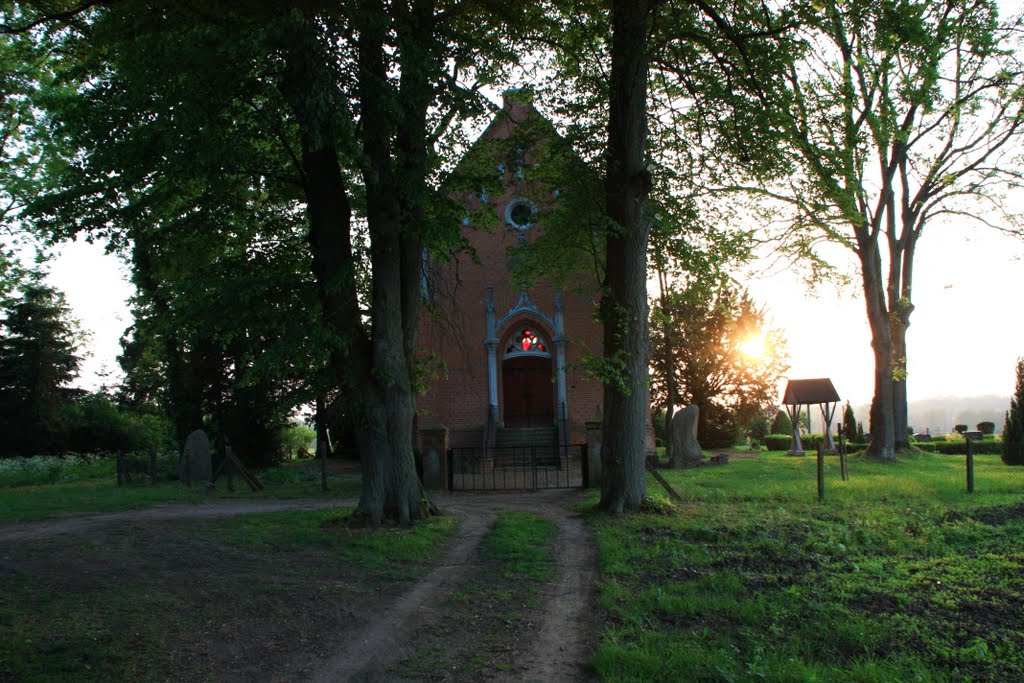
x,y
194,466
685,448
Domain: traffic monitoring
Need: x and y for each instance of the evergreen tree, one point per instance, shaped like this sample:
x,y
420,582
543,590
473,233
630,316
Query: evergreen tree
x,y
849,423
782,424
1013,431
38,360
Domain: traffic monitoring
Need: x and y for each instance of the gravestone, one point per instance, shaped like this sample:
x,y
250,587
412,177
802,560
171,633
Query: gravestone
x,y
685,448
194,465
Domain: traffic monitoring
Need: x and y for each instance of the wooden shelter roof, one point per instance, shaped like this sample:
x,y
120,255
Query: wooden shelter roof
x,y
809,392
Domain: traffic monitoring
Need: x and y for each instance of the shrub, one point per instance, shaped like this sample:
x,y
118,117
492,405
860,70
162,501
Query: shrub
x,y
718,428
297,438
781,424
49,469
777,442
758,429
987,428
960,429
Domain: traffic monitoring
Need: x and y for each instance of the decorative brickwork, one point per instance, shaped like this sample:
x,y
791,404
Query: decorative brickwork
x,y
481,316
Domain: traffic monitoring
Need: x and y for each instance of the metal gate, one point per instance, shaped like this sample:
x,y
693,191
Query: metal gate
x,y
517,468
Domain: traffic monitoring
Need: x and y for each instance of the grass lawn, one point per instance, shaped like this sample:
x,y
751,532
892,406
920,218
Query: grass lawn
x,y
226,599
36,488
898,575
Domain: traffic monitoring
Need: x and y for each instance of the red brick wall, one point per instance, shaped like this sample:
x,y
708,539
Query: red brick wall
x,y
458,331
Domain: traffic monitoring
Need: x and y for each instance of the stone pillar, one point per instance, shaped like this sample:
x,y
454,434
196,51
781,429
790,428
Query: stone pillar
x,y
434,455
594,453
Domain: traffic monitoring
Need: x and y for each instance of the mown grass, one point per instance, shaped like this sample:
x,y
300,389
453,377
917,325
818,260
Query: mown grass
x,y
387,547
520,545
39,487
898,575
139,606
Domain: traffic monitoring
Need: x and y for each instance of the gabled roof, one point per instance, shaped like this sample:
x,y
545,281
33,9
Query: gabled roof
x,y
809,391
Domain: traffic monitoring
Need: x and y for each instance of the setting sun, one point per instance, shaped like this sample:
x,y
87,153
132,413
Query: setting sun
x,y
755,347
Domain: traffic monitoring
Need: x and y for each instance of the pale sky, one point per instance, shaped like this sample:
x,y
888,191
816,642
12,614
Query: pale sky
x,y
965,335
966,331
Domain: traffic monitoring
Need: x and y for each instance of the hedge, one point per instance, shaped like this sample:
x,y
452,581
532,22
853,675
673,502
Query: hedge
x,y
983,447
781,442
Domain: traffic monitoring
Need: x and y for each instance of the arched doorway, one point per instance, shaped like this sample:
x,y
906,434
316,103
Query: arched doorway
x,y
527,390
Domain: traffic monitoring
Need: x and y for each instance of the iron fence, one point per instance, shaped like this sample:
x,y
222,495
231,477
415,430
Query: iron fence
x,y
517,468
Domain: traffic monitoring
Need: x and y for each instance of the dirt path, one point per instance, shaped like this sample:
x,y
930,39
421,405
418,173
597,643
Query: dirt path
x,y
567,633
562,630
562,640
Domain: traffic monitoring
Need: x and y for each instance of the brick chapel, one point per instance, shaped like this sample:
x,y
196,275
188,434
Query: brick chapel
x,y
512,354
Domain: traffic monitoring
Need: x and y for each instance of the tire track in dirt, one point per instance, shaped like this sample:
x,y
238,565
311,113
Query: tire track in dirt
x,y
565,636
389,637
565,639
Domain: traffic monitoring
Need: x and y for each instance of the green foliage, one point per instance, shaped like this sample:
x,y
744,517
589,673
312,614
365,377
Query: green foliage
x,y
49,469
95,424
960,429
719,426
778,442
298,439
782,424
849,423
1013,428
699,334
758,428
38,360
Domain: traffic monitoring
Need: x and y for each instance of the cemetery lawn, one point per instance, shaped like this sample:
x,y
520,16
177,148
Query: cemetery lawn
x,y
200,599
897,575
22,503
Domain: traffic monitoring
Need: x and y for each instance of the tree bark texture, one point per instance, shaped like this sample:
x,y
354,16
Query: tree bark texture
x,y
624,301
881,417
394,175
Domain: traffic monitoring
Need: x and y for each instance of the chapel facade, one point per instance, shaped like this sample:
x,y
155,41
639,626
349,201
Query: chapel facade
x,y
513,354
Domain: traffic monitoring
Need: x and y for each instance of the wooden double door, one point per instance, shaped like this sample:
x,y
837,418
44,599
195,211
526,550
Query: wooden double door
x,y
528,392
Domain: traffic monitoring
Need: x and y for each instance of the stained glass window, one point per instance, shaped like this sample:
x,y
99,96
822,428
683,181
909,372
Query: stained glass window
x,y
526,340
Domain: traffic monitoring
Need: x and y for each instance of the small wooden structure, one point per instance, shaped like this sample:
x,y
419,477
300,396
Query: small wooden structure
x,y
808,392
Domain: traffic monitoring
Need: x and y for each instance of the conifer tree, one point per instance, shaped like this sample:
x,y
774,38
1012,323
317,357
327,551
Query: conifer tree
x,y
38,360
1013,431
849,423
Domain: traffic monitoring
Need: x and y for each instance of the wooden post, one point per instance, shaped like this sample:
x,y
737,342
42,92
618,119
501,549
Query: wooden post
x,y
842,455
970,465
821,473
228,464
321,442
187,457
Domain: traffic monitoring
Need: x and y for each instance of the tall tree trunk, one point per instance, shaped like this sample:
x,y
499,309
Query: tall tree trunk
x,y
882,423
624,300
394,179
